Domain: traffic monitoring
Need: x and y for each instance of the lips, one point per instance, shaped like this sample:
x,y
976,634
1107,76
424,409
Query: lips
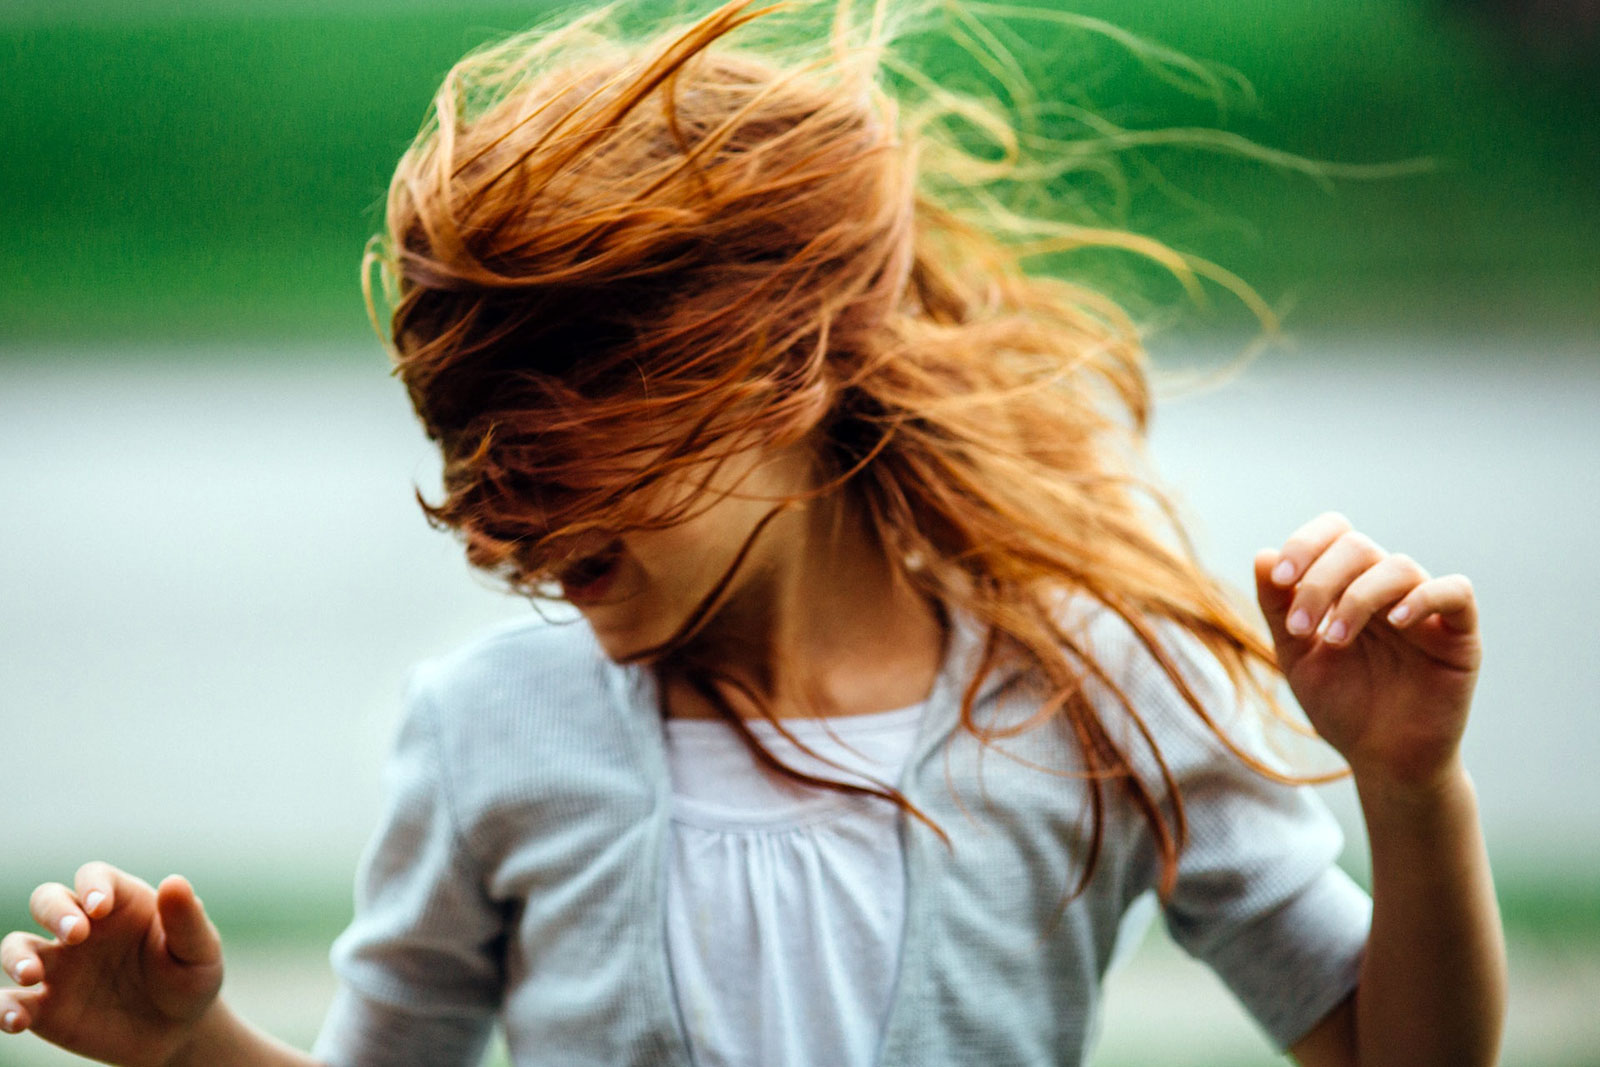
x,y
587,579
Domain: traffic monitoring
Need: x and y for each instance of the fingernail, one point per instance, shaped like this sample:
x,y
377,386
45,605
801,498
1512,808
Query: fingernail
x,y
1400,614
21,972
1283,572
11,1021
1337,631
92,901
1299,622
69,924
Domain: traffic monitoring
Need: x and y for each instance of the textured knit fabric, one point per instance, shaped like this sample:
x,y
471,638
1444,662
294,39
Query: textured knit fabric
x,y
519,873
785,903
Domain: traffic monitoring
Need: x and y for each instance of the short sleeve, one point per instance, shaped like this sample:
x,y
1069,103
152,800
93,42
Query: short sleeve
x,y
1260,900
1259,897
420,965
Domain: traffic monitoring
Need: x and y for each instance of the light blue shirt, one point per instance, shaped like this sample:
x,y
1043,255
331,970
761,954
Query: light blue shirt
x,y
518,874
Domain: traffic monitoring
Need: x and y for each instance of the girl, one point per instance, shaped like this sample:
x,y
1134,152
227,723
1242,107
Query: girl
x,y
887,696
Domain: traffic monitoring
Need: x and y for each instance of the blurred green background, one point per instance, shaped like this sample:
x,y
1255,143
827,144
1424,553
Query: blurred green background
x,y
180,171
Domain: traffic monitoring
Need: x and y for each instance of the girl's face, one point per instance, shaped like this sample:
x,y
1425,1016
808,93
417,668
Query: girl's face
x,y
639,589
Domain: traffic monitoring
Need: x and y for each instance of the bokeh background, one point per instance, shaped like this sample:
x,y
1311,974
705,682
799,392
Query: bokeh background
x,y
214,575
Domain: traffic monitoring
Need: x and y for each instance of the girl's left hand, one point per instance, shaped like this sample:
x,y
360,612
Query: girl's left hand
x,y
1381,657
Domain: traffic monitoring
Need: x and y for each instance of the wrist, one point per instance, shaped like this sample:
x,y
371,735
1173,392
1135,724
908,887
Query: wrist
x,y
1414,789
211,1033
1414,812
221,1037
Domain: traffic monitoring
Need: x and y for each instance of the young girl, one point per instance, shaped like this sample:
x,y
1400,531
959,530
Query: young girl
x,y
887,698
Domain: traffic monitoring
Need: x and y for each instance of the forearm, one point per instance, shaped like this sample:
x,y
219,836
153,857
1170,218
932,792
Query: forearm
x,y
1433,983
223,1037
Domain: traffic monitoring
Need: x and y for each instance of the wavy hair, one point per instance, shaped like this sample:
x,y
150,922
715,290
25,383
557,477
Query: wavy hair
x,y
604,248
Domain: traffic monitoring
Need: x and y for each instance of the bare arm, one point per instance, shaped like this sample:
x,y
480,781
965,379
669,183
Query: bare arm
x,y
1383,658
1433,982
1436,952
223,1037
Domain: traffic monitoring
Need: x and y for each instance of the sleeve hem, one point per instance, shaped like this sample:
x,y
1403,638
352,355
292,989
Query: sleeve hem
x,y
1298,962
400,996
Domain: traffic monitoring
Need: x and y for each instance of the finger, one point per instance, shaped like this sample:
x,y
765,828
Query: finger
x,y
1376,588
18,1009
1273,598
100,886
1449,596
1323,582
53,907
1306,544
190,937
22,956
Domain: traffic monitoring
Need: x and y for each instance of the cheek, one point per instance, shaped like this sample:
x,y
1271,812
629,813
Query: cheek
x,y
678,560
682,563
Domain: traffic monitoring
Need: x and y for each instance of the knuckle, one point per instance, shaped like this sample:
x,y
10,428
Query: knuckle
x,y
1415,570
1303,600
40,899
1312,596
1334,520
50,902
1356,602
1360,544
1406,568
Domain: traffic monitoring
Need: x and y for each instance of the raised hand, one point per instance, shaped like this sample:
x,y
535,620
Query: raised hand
x,y
127,975
1381,656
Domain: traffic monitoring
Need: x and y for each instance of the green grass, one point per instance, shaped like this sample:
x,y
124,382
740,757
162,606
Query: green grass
x,y
187,172
1553,911
1541,908
259,911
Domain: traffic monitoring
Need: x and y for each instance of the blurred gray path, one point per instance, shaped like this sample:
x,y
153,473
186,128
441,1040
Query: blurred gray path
x,y
214,577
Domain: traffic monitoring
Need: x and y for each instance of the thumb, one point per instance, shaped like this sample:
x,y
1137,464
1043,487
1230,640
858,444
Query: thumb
x,y
1275,601
191,940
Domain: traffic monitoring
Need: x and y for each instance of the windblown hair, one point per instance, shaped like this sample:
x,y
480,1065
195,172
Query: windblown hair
x,y
611,260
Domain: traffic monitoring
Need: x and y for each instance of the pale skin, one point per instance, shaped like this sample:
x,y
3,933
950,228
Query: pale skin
x,y
131,974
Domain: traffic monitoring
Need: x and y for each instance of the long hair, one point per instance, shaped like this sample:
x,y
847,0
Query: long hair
x,y
604,248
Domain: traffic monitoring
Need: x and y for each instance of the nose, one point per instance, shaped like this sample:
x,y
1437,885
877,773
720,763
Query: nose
x,y
586,548
584,570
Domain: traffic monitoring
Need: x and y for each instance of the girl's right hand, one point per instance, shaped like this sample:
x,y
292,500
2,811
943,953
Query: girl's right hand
x,y
127,977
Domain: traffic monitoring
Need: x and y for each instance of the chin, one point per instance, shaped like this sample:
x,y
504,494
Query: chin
x,y
616,649
623,639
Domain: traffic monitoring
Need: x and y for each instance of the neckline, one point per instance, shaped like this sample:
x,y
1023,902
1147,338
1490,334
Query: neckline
x,y
636,688
714,744
806,725
638,693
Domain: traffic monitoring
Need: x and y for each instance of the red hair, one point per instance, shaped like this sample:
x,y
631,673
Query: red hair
x,y
600,249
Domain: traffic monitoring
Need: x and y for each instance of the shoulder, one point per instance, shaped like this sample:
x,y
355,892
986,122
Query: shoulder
x,y
525,687
1152,670
1135,660
521,664
527,721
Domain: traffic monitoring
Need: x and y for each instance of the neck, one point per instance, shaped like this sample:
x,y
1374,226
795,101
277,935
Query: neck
x,y
826,623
